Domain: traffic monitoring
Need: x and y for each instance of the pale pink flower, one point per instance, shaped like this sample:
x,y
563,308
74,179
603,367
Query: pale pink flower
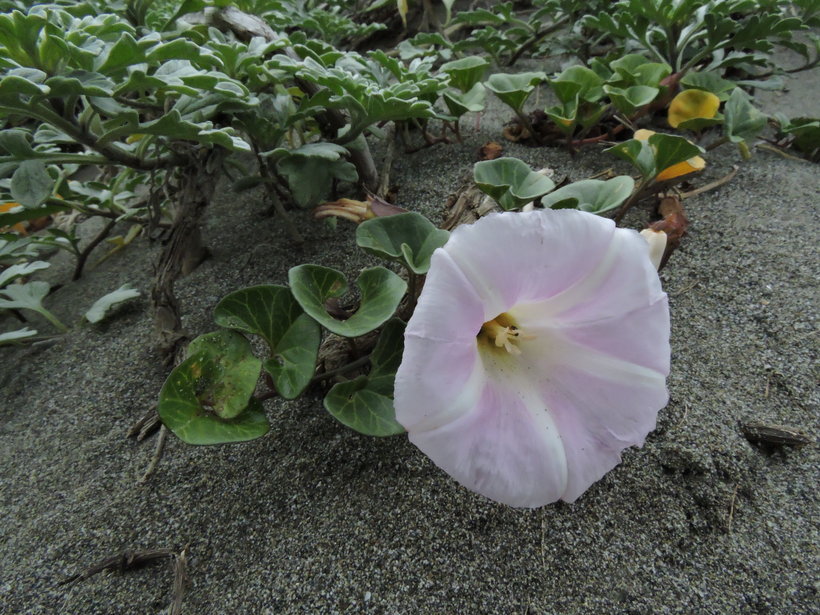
x,y
538,351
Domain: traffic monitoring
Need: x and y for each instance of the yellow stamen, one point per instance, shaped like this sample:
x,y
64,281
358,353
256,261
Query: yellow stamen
x,y
501,332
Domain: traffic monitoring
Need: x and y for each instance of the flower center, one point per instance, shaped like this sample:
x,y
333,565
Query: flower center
x,y
501,332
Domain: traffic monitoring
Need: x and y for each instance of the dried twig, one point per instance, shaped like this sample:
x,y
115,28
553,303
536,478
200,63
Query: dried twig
x,y
132,560
731,510
145,426
152,466
764,434
711,185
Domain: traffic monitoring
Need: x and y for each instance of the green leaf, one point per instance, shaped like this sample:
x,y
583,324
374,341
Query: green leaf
x,y
659,152
511,182
514,89
469,102
103,305
12,337
29,296
380,289
408,238
292,336
466,72
593,195
31,184
708,81
311,169
631,99
229,371
589,85
639,154
23,269
15,142
184,414
671,149
80,83
742,121
365,404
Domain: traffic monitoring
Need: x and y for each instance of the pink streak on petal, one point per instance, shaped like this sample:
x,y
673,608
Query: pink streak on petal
x,y
529,256
500,450
436,382
631,283
597,418
622,280
640,336
449,309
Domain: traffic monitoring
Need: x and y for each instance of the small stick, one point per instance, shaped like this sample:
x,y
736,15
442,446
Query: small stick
x,y
131,560
711,185
361,361
122,562
152,466
145,426
775,435
777,150
731,510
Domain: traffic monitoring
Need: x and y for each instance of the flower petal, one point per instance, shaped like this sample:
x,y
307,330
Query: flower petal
x,y
507,448
622,280
526,257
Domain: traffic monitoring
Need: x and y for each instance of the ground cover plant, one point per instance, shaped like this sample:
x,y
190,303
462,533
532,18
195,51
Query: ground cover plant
x,y
133,112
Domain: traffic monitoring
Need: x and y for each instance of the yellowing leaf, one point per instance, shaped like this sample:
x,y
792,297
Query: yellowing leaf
x,y
682,168
691,104
696,163
19,227
402,6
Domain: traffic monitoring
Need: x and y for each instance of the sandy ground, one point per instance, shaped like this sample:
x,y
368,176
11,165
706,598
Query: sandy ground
x,y
314,518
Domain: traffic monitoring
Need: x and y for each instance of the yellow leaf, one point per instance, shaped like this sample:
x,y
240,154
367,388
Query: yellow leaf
x,y
402,6
682,168
134,138
691,104
19,227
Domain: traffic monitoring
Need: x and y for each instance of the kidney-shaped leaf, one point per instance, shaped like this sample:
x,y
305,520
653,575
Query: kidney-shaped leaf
x,y
465,73
182,411
514,89
510,181
293,337
380,291
366,403
629,100
593,195
409,238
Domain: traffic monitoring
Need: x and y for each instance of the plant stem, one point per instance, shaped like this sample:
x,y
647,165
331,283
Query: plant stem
x,y
82,257
294,233
716,143
361,361
536,38
53,319
525,122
